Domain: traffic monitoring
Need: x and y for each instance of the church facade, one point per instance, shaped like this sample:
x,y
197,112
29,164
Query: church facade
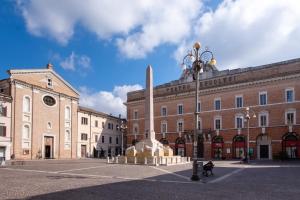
x,y
271,93
41,119
44,114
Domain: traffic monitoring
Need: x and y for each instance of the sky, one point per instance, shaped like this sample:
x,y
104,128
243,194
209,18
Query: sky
x,y
102,47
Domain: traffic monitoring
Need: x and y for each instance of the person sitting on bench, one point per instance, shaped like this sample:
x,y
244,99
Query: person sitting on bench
x,y
208,167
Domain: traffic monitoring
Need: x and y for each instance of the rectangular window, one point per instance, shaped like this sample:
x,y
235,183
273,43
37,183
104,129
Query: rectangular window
x,y
135,114
135,129
96,138
180,109
289,95
84,136
199,107
263,120
84,120
217,104
117,140
96,123
199,125
180,126
239,102
103,139
108,125
164,111
163,127
290,118
110,140
217,124
239,122
103,125
3,111
263,98
2,131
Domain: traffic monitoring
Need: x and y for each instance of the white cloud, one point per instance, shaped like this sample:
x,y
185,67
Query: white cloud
x,y
75,61
249,32
240,32
108,102
139,26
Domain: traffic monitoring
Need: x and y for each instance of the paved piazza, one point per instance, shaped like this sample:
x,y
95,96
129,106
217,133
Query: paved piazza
x,y
94,179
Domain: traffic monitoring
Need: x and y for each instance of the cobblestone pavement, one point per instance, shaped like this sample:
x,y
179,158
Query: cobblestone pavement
x,y
94,179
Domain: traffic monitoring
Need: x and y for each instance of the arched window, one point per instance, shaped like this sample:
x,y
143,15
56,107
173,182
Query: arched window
x,y
68,136
67,113
26,104
26,132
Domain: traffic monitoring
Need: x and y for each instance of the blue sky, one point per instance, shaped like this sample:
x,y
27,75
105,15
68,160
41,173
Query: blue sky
x,y
103,50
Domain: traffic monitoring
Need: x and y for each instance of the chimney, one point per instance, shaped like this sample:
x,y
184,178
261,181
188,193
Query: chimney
x,y
49,66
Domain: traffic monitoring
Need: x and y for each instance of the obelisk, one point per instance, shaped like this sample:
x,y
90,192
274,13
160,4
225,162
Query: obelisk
x,y
149,119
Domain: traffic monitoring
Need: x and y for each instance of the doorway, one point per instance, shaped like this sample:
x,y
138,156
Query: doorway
x,y
83,151
47,151
264,147
48,147
264,151
2,152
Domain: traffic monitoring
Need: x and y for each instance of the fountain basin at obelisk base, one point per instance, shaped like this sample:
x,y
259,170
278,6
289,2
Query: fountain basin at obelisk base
x,y
149,151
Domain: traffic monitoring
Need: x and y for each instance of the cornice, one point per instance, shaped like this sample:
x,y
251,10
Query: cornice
x,y
34,87
30,71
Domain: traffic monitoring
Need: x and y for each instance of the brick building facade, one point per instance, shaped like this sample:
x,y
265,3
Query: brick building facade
x,y
272,93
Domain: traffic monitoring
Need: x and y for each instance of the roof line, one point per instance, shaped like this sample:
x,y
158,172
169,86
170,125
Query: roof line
x,y
90,110
17,71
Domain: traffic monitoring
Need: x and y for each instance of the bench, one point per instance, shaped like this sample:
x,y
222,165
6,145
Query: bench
x,y
208,167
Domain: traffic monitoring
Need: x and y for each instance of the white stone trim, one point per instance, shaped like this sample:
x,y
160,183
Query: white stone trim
x,y
161,111
43,144
177,109
46,71
177,125
218,117
215,100
161,126
285,94
262,113
262,93
239,96
56,101
290,110
236,116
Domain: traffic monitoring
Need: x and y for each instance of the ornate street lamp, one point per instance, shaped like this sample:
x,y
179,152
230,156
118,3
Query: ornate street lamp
x,y
123,128
195,61
249,114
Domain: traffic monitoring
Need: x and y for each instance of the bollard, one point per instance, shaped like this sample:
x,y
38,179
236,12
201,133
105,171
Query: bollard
x,y
145,160
117,160
161,160
171,160
107,159
155,161
176,159
135,160
166,161
125,160
188,159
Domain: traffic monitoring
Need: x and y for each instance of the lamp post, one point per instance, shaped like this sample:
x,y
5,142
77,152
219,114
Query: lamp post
x,y
123,128
248,117
193,62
